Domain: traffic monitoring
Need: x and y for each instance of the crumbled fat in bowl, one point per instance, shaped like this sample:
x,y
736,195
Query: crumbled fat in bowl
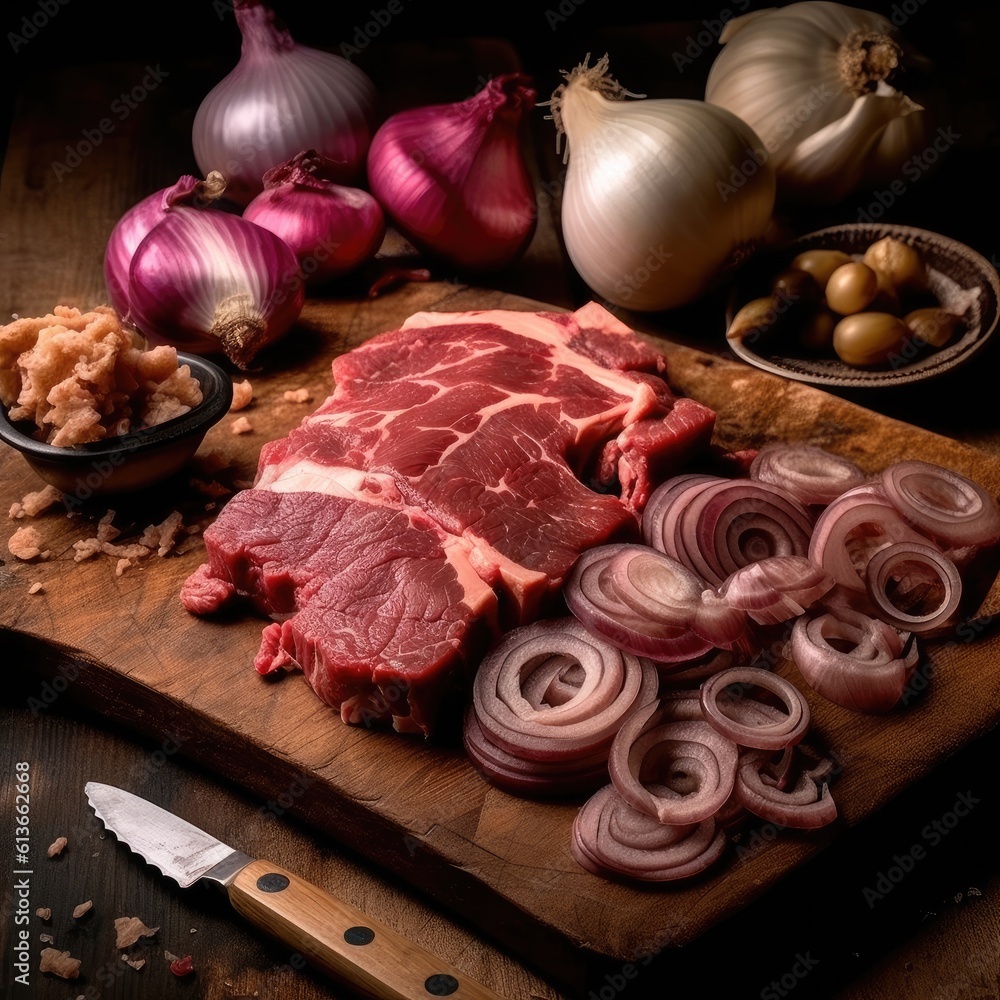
x,y
81,377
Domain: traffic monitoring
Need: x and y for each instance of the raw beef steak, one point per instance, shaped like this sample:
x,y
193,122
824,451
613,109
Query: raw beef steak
x,y
441,493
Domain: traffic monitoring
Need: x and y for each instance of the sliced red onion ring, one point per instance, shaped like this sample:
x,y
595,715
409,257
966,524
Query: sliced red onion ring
x,y
679,772
610,838
590,594
911,576
870,675
806,805
681,705
665,505
665,592
942,504
852,529
748,722
733,814
692,673
548,779
810,474
653,585
736,522
609,685
775,589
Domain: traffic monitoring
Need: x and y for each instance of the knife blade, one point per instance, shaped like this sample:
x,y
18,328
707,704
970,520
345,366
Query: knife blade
x,y
329,932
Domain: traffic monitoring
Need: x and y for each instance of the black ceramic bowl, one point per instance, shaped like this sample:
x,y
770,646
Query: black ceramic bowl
x,y
961,280
132,461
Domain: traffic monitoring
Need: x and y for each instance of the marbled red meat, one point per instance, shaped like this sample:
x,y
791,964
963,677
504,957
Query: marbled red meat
x,y
443,491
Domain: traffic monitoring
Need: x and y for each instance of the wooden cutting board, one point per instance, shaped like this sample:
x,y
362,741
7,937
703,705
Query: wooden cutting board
x,y
123,643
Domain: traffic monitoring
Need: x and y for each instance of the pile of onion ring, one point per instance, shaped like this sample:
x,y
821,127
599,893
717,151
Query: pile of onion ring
x,y
685,770
649,682
547,703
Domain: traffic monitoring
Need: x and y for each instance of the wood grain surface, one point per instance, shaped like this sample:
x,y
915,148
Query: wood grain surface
x,y
421,809
170,702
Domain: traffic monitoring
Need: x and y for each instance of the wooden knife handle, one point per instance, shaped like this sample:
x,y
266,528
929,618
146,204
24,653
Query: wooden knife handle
x,y
343,941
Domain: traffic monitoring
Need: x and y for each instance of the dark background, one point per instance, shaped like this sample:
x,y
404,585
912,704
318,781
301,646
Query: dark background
x,y
549,35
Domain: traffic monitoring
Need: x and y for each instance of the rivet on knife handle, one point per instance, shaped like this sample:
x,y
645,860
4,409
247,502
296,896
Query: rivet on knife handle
x,y
344,941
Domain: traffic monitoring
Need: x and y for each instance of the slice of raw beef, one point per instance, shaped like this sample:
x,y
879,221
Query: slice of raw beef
x,y
441,493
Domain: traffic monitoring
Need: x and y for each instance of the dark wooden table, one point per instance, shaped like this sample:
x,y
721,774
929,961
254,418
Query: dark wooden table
x,y
932,931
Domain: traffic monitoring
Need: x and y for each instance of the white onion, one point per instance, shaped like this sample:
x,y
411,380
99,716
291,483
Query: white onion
x,y
661,195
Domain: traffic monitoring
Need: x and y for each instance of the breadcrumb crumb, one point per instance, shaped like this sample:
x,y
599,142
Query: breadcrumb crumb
x,y
59,963
296,396
57,846
32,504
106,531
82,909
163,536
86,548
44,912
242,395
129,930
26,544
36,588
241,426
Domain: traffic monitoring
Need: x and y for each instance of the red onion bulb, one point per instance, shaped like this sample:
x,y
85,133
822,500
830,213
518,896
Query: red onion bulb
x,y
331,228
281,98
453,178
133,226
210,282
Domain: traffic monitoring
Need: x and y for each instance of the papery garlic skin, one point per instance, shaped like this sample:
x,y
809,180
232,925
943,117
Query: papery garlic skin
x,y
661,195
814,81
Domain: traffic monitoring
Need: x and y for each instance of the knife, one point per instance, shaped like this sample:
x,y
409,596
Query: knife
x,y
335,936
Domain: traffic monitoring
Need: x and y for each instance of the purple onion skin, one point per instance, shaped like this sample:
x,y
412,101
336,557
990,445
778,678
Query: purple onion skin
x,y
212,283
129,232
332,229
282,97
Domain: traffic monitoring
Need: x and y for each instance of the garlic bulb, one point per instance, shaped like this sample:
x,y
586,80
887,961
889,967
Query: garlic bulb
x,y
813,80
660,195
